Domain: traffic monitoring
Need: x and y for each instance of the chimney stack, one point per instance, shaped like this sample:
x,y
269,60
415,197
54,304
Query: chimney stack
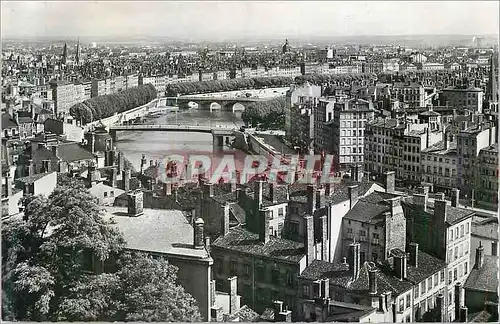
x,y
121,162
208,189
400,266
233,295
324,238
225,220
420,200
390,182
479,256
135,203
310,199
394,313
372,280
328,189
381,303
258,191
354,260
440,210
455,197
325,288
264,225
440,308
167,189
112,178
126,175
272,194
463,314
309,238
459,300
198,234
414,254
353,196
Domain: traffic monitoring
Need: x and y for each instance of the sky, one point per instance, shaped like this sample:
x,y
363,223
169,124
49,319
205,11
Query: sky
x,y
224,20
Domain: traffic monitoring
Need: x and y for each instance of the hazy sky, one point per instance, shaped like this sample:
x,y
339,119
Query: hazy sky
x,y
252,19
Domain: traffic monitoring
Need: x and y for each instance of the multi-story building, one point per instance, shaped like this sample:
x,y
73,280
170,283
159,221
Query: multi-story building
x,y
430,66
445,232
473,136
295,98
390,65
391,144
484,232
486,188
463,98
412,94
64,95
347,130
323,119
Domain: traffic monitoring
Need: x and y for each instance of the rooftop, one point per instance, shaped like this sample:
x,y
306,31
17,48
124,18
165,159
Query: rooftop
x,y
157,231
454,215
33,178
243,241
370,209
486,278
438,148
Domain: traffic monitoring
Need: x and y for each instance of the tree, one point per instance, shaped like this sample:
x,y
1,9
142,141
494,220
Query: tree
x,y
46,274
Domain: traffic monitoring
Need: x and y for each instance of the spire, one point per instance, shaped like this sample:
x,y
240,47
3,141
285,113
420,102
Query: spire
x,y
78,52
65,53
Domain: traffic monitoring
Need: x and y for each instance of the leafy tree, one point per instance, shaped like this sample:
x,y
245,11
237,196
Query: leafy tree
x,y
46,276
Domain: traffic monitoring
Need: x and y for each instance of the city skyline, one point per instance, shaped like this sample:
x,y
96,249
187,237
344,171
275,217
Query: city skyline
x,y
209,21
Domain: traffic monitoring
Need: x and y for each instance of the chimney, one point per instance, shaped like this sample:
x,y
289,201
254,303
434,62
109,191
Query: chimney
x,y
8,186
479,256
441,311
208,189
272,194
31,168
207,243
353,196
126,175
310,199
92,173
143,163
167,189
264,225
463,314
212,293
445,140
46,164
238,194
135,203
309,238
372,280
278,308
234,181
420,200
328,189
198,234
390,182
388,299
455,197
121,162
225,220
400,266
150,163
414,254
494,248
325,288
233,295
62,167
55,150
258,185
324,238
459,300
381,303
394,320
353,259
112,178
440,210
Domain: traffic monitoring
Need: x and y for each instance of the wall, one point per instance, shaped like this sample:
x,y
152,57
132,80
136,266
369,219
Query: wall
x,y
338,211
46,185
98,191
474,300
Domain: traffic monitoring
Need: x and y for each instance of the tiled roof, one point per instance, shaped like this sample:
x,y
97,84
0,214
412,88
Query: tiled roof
x,y
486,230
156,231
454,215
72,152
480,317
486,278
370,209
244,241
7,121
245,314
439,148
427,266
347,312
386,281
321,270
33,178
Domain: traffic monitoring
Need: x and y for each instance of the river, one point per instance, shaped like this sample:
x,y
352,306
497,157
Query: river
x,y
157,145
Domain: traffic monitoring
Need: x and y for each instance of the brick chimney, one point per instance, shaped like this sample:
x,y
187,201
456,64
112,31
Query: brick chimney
x,y
46,165
353,196
167,188
479,256
310,199
31,168
464,312
280,314
208,189
328,189
199,225
372,280
258,186
354,260
414,254
400,266
381,303
126,175
441,311
324,238
225,220
8,186
325,288
459,299
440,210
264,216
420,200
455,197
272,194
309,238
112,178
135,203
121,162
233,295
390,182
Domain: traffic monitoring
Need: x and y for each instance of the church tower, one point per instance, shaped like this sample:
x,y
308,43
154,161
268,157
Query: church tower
x,y
286,47
65,53
78,52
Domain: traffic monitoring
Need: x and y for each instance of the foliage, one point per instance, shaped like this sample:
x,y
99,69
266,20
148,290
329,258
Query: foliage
x,y
107,105
186,88
333,78
47,272
269,114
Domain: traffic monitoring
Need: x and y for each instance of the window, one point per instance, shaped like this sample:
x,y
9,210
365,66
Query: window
x,y
247,269
465,268
111,194
462,230
429,284
450,277
408,300
456,252
105,194
234,267
467,228
436,279
294,227
442,276
305,290
275,276
401,304
416,291
374,257
280,212
289,279
422,287
271,230
455,274
218,265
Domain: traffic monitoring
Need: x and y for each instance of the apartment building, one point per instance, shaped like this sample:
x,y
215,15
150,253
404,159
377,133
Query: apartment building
x,y
486,188
323,119
391,144
65,95
294,100
390,65
473,136
463,98
347,130
412,94
443,231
